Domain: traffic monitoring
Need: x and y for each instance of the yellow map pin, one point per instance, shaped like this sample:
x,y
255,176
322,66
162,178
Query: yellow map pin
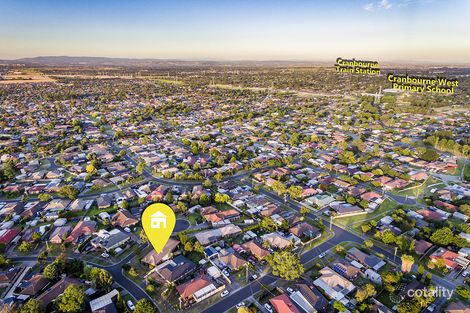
x,y
158,221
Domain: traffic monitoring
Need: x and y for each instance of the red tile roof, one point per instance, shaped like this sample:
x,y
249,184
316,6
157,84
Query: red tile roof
x,y
282,304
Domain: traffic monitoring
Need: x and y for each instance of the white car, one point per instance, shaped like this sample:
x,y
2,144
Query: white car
x,y
268,308
130,305
224,293
290,290
127,230
241,304
465,274
105,255
322,255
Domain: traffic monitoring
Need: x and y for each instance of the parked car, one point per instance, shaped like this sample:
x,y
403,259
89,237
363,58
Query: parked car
x,y
105,255
241,304
290,290
253,277
268,307
130,305
322,255
224,293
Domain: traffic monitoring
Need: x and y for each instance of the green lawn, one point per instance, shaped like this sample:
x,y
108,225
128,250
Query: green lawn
x,y
356,220
94,210
419,189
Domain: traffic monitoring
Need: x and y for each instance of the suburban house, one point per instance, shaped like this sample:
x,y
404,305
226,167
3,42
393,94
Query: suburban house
x,y
153,258
197,289
59,233
109,240
369,261
209,236
233,260
255,249
283,304
83,229
123,218
451,259
105,303
175,269
334,285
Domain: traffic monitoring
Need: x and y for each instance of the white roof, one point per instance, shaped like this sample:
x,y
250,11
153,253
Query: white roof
x,y
158,214
103,301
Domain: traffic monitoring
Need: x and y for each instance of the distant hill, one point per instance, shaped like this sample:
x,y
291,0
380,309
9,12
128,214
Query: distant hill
x,y
104,61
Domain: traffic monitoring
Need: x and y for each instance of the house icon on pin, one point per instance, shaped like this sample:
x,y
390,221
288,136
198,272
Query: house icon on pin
x,y
157,219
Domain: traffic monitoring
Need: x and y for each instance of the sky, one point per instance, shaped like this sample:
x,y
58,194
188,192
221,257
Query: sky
x,y
314,30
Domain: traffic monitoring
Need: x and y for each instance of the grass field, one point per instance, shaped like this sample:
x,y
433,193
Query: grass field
x,y
419,189
356,220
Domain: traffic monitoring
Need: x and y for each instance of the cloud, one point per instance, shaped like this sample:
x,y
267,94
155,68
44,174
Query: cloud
x,y
378,5
405,3
385,4
369,7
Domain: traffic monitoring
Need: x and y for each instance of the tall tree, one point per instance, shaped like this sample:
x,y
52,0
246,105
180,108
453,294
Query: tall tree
x,y
72,300
286,265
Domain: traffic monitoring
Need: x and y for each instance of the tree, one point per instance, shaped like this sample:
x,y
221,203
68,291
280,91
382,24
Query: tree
x,y
388,237
204,199
44,197
368,243
221,198
90,169
279,187
52,271
286,265
304,210
36,236
143,236
218,176
3,261
406,263
69,192
268,224
183,237
442,236
207,183
366,227
144,306
72,300
182,206
429,155
25,246
347,157
295,192
140,168
244,309
197,247
32,306
463,291
364,292
339,306
420,271
408,306
188,247
101,278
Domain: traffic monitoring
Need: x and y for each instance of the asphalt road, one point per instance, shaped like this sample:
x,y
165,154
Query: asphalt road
x,y
340,235
181,225
115,270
